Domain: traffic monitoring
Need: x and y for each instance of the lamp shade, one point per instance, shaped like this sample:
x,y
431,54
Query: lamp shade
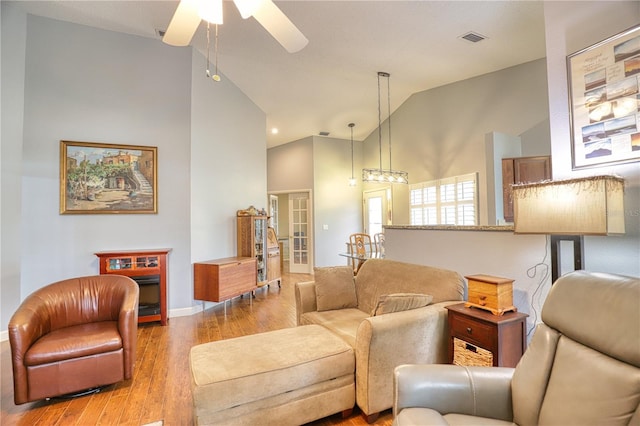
x,y
585,206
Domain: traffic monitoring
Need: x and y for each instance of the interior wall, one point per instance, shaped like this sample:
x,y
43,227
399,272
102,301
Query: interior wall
x,y
13,47
228,162
290,166
85,84
441,132
522,258
337,206
570,27
498,146
323,165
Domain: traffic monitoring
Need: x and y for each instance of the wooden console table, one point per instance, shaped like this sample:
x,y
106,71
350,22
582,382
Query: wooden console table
x,y
147,267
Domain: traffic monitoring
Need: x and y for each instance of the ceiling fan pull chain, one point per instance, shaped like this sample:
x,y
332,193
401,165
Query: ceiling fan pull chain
x,y
216,76
208,62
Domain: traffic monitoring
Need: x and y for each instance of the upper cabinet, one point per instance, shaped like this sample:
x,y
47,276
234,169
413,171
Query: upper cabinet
x,y
521,170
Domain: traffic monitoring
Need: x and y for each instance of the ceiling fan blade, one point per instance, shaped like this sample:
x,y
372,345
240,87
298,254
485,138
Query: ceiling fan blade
x,y
280,27
183,25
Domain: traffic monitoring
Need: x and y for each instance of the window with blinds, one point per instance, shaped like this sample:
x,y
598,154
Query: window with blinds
x,y
449,201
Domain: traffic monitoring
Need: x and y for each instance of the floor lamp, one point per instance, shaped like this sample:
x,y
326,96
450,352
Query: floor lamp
x,y
569,209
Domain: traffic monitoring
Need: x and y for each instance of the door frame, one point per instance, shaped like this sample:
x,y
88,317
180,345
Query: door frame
x,y
311,241
387,200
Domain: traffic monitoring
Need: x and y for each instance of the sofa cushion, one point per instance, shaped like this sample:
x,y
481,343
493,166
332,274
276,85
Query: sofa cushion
x,y
335,288
397,302
74,342
342,322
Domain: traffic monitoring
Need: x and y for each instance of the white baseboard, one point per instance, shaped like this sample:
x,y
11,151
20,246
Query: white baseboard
x,y
173,313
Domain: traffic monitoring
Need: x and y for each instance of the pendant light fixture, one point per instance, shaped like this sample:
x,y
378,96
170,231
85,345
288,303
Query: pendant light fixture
x,y
352,181
381,175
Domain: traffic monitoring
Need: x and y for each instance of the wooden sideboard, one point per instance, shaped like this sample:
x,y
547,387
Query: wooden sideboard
x,y
222,279
147,267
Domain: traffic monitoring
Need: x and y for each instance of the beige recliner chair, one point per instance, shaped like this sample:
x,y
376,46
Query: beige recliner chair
x,y
581,368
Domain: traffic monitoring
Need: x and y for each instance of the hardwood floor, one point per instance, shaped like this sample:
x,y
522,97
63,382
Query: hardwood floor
x,y
160,388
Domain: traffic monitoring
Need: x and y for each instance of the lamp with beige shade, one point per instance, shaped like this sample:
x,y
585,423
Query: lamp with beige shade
x,y
568,210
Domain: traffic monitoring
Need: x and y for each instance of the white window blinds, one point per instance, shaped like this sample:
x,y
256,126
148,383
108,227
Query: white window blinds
x,y
449,201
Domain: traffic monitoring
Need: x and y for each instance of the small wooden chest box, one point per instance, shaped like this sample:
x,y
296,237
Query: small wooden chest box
x,y
490,293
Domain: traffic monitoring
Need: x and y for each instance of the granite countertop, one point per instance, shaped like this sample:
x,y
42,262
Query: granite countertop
x,y
504,228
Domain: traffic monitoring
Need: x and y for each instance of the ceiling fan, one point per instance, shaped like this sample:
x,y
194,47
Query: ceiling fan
x,y
189,13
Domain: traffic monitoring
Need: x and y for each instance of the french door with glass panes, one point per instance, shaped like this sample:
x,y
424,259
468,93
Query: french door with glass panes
x,y
300,238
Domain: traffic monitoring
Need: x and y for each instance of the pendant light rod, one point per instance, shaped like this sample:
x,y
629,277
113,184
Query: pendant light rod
x,y
352,181
389,118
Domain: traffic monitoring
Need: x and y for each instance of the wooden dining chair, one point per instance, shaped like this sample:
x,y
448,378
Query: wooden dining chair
x,y
378,244
360,244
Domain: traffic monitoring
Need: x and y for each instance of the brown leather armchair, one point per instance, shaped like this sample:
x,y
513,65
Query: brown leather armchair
x,y
582,367
74,335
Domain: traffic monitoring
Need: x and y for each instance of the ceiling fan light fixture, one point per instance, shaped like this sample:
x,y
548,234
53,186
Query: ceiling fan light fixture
x,y
189,13
211,11
183,24
247,7
280,27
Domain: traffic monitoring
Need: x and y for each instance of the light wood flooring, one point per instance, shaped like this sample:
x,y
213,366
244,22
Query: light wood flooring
x,y
160,388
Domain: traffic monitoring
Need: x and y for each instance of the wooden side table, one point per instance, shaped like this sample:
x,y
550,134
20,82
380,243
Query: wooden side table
x,y
477,337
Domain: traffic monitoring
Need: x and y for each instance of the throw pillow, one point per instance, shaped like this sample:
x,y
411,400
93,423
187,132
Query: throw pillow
x,y
388,303
335,288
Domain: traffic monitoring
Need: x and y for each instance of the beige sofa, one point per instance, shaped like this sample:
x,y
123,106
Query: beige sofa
x,y
581,368
381,342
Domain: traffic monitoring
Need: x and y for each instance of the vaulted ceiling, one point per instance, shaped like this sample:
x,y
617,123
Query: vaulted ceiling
x,y
333,80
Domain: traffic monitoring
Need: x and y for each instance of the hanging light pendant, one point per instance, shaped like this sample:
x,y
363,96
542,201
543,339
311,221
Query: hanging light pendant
x,y
381,175
352,181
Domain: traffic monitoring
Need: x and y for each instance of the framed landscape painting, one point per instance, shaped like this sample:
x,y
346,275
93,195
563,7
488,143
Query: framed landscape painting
x,y
99,178
604,98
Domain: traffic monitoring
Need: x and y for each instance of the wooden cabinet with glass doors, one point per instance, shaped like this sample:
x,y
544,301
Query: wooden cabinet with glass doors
x,y
252,242
148,268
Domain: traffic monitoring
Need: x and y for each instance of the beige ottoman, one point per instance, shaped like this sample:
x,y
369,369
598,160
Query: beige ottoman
x,y
283,377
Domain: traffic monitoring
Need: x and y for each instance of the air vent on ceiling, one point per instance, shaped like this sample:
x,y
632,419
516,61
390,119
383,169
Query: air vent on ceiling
x,y
473,37
324,133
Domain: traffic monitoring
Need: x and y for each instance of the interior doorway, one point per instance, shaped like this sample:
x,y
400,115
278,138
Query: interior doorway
x,y
376,212
295,229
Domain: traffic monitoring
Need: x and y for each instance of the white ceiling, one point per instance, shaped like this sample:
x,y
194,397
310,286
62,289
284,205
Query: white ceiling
x,y
333,80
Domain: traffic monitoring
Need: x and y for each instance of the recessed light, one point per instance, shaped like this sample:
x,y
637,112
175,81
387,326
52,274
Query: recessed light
x,y
274,131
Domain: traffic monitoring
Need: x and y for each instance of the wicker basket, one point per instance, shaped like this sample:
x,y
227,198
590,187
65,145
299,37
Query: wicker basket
x,y
465,353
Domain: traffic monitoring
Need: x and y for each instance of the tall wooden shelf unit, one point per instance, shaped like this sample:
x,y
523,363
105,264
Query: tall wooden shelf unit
x,y
252,242
149,269
259,241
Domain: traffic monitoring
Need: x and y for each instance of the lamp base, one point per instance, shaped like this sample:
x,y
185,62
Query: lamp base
x,y
578,253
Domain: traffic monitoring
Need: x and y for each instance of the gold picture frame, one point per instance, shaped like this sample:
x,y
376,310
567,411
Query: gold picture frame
x,y
101,178
604,101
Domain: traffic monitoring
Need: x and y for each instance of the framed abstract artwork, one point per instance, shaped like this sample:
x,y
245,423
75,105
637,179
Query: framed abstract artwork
x,y
99,178
604,101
